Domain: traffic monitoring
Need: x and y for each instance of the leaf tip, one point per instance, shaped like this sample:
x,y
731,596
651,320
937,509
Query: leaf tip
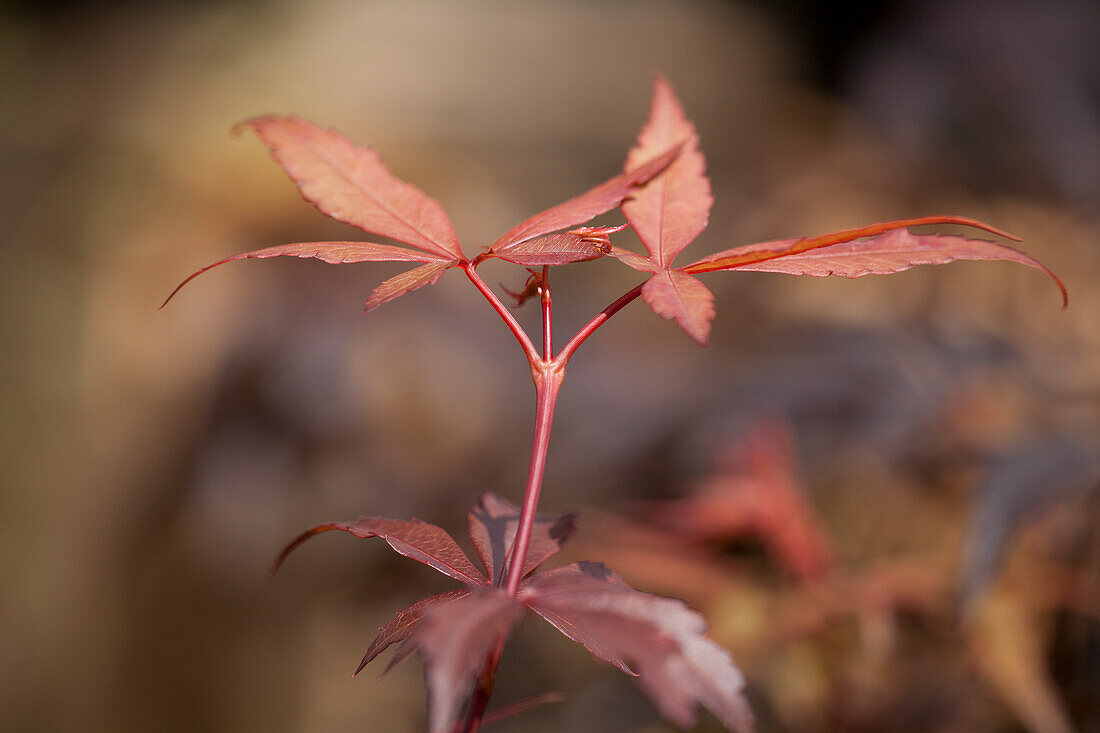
x,y
298,541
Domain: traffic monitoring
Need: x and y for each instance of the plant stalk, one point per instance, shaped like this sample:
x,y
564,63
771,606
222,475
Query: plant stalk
x,y
548,381
590,328
547,315
509,319
548,373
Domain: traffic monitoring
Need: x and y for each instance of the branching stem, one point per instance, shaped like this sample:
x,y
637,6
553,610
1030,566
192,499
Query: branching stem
x,y
503,312
548,373
590,328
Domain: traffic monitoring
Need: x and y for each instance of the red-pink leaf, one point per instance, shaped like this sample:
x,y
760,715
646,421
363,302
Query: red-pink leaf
x,y
407,282
404,624
894,251
351,185
334,253
556,249
592,203
493,522
669,211
634,260
576,245
455,640
412,538
678,666
760,251
675,294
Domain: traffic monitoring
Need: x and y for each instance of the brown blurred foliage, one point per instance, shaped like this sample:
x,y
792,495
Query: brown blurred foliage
x,y
154,461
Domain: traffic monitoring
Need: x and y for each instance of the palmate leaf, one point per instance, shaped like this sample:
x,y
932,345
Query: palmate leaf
x,y
406,282
350,184
677,295
404,624
576,245
493,522
669,211
562,248
894,251
659,640
454,640
334,253
412,538
590,204
663,640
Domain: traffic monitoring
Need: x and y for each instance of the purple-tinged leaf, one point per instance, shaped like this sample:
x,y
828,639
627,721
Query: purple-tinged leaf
x,y
404,624
669,211
493,522
455,640
406,282
351,184
677,666
677,295
894,251
412,538
334,253
548,594
592,203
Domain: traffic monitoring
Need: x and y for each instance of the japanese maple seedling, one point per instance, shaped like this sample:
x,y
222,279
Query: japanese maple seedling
x,y
665,195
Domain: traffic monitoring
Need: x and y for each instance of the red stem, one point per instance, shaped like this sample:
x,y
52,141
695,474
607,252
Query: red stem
x,y
548,381
548,373
486,681
509,319
590,328
547,316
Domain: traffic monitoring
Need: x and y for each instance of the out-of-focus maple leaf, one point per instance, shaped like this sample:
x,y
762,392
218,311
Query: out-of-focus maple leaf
x,y
454,641
756,493
1008,649
1021,483
676,665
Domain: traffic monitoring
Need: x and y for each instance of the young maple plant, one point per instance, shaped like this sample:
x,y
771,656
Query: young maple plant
x,y
665,196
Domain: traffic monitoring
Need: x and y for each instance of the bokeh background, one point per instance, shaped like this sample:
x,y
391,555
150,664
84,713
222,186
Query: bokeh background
x,y
881,492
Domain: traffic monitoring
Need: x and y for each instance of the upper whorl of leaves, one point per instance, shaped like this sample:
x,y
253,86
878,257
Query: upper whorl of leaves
x,y
664,193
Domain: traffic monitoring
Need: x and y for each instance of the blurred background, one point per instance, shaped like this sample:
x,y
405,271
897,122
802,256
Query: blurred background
x,y
882,492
